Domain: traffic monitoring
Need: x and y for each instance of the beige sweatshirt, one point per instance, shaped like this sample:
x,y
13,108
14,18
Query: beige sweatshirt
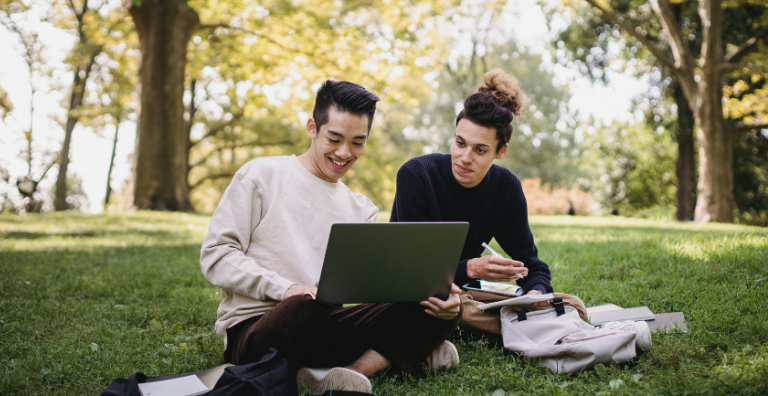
x,y
270,231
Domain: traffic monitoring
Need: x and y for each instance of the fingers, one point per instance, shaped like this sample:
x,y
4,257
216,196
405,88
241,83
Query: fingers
x,y
505,261
455,289
430,305
499,273
442,309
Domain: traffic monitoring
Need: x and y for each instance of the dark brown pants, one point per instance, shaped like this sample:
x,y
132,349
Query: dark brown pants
x,y
311,334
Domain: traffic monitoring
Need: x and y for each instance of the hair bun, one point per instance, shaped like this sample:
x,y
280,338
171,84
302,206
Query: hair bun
x,y
504,89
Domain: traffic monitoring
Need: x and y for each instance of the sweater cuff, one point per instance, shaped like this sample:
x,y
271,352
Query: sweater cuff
x,y
461,278
277,286
541,287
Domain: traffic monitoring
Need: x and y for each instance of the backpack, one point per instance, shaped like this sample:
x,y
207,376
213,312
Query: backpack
x,y
557,338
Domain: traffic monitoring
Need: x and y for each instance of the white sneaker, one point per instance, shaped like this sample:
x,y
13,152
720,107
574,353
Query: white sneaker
x,y
444,356
641,330
318,381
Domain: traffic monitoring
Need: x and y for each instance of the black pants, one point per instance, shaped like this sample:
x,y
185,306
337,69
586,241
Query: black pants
x,y
311,334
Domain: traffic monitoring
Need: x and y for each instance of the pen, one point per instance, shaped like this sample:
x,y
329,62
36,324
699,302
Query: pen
x,y
493,252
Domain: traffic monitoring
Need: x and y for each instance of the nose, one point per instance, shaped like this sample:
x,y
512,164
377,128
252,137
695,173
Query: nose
x,y
343,152
466,156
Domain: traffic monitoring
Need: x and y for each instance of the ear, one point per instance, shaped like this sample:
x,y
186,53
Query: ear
x,y
503,152
311,127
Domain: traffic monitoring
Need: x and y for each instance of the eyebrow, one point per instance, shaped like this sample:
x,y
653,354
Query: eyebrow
x,y
477,145
334,133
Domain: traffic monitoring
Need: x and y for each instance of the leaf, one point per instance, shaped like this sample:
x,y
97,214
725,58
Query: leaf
x,y
155,324
615,384
94,347
637,377
600,370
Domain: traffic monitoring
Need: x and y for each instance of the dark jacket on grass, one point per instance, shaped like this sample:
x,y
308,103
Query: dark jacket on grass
x,y
495,208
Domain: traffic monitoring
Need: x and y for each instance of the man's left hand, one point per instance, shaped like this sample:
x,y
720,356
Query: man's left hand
x,y
447,309
540,303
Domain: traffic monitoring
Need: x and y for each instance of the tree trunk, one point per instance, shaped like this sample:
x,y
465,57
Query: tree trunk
x,y
111,164
715,200
685,168
161,159
82,73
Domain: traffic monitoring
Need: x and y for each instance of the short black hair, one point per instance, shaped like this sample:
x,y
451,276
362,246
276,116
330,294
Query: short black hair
x,y
344,96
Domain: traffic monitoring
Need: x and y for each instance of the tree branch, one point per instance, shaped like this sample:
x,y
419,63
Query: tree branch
x,y
629,29
221,175
239,145
216,129
747,47
671,25
741,129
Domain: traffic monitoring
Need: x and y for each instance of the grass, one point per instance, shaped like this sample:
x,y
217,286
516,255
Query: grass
x,y
86,299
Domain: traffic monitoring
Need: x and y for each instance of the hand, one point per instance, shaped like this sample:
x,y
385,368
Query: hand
x,y
445,310
540,303
298,290
495,269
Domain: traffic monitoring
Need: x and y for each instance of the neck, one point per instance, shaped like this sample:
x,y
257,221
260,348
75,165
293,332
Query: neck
x,y
313,167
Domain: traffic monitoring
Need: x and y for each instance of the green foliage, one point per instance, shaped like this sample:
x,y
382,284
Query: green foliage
x,y
629,168
750,159
255,68
87,299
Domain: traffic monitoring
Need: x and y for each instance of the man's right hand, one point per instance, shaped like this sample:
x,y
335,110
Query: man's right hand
x,y
495,269
298,290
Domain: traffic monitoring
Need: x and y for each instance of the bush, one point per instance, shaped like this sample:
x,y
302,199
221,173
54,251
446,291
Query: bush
x,y
546,200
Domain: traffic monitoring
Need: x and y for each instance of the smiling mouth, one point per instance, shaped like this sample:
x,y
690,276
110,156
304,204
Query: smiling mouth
x,y
338,165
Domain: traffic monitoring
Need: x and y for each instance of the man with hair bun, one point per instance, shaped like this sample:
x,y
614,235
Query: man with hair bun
x,y
465,185
265,248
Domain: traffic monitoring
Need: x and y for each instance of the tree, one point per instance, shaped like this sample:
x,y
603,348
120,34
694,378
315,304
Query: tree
x,y
595,46
251,70
164,28
703,88
31,49
86,25
111,97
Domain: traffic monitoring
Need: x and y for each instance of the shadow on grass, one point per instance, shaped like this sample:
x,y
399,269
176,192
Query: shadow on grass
x,y
614,229
154,234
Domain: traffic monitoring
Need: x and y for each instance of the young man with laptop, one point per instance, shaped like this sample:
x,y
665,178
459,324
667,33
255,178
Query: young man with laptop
x,y
465,185
265,248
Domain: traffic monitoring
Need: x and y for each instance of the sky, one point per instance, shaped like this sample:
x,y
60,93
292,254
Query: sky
x,y
91,152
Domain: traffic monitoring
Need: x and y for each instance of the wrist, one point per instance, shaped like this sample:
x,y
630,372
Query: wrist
x,y
471,269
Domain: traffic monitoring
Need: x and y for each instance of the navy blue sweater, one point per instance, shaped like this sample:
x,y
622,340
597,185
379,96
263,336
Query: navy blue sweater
x,y
495,208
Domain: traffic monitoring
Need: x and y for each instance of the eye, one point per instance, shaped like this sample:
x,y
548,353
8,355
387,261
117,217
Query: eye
x,y
460,143
481,151
357,144
333,141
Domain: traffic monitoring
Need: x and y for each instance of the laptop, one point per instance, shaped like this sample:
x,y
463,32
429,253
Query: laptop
x,y
390,262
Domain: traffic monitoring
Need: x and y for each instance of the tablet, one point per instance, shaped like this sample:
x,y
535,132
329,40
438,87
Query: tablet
x,y
500,289
390,262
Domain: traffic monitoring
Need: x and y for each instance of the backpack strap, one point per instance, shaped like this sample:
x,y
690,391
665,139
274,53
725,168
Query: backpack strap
x,y
522,315
559,307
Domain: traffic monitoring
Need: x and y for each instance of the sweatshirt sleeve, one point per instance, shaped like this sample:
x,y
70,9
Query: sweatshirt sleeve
x,y
517,241
222,258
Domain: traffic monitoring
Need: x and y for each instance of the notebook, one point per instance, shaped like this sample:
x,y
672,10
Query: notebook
x,y
188,385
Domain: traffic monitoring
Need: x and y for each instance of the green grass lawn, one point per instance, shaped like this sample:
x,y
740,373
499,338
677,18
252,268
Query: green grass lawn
x,y
86,299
